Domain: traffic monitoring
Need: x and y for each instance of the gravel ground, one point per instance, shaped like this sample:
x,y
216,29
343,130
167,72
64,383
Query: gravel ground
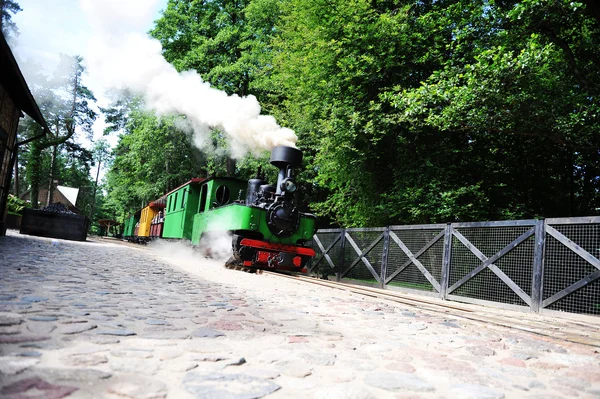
x,y
103,319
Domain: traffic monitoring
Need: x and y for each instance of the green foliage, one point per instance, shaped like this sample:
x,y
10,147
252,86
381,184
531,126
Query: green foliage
x,y
8,7
429,112
152,157
407,112
208,37
15,205
66,105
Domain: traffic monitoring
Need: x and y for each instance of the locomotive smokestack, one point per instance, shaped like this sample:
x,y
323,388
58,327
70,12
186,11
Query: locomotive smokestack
x,y
286,159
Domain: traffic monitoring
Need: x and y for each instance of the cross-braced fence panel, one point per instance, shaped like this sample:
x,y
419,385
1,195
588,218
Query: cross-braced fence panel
x,y
571,268
363,255
328,247
415,258
492,262
552,264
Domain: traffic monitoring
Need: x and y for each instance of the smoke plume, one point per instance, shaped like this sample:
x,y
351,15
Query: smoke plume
x,y
122,56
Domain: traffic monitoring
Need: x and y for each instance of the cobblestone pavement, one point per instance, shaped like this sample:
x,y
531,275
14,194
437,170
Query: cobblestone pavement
x,y
102,319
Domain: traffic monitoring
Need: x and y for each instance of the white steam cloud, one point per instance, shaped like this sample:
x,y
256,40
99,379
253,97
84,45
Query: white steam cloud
x,y
122,57
215,246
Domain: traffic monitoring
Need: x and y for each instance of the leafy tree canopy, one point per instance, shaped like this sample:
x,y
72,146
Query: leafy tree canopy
x,y
407,112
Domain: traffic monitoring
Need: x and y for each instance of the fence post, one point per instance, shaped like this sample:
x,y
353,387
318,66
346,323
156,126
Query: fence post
x,y
384,257
537,279
338,275
446,261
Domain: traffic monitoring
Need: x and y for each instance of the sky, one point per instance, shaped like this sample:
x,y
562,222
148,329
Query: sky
x,y
51,27
111,37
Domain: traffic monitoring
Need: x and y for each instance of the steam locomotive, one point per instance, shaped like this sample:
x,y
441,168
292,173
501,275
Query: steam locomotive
x,y
266,226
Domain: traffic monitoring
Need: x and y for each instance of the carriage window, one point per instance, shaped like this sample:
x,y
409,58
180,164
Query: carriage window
x,y
175,202
183,197
202,202
222,195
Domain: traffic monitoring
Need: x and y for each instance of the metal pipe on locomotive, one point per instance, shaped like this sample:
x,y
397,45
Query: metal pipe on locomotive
x,y
267,227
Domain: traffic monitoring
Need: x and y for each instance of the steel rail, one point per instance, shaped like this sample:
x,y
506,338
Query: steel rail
x,y
586,335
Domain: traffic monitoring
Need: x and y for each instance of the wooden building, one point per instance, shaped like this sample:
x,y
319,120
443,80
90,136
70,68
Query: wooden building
x,y
15,99
66,196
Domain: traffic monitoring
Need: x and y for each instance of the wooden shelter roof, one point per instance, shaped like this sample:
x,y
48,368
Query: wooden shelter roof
x,y
14,83
108,222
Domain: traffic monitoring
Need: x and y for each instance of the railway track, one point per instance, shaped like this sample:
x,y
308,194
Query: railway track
x,y
581,332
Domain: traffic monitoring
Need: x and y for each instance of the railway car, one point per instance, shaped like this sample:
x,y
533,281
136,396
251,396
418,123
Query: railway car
x,y
182,204
156,226
129,227
143,233
265,223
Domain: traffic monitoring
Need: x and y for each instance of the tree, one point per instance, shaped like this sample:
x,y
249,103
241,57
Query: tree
x,y
520,89
101,154
409,112
152,157
65,104
444,111
215,39
7,26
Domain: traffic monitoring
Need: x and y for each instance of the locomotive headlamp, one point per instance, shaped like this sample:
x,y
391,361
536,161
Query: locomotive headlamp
x,y
288,185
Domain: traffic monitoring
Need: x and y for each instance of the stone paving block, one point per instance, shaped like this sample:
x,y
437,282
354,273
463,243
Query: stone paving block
x,y
321,359
17,339
143,366
167,335
76,328
396,381
85,360
133,353
40,345
346,391
43,318
9,319
138,388
119,333
207,333
40,327
10,330
294,368
16,364
178,365
227,386
85,375
19,389
465,391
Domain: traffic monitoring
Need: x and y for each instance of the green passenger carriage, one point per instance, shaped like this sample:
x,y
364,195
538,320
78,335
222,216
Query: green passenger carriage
x,y
129,228
182,204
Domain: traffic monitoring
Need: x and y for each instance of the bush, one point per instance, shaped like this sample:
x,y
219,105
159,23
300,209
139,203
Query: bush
x,y
15,205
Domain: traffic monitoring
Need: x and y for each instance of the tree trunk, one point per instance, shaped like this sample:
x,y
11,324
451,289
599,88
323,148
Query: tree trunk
x,y
94,195
52,174
167,174
571,182
1,15
34,166
230,167
16,171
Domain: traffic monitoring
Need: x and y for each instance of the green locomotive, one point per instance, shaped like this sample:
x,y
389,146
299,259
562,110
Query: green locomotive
x,y
267,228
